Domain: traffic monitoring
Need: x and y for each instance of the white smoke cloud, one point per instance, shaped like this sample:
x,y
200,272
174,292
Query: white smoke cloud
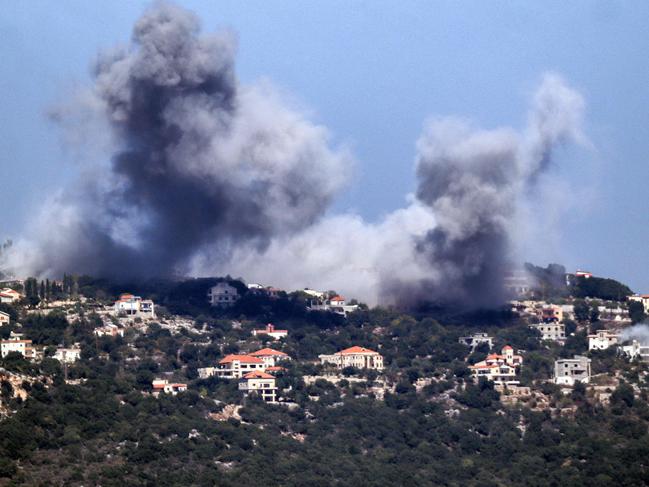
x,y
639,332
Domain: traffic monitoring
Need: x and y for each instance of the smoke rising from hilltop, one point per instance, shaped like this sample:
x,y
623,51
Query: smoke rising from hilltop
x,y
208,177
638,332
199,160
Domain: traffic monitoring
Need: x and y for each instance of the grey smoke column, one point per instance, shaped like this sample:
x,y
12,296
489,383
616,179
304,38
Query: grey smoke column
x,y
200,161
474,181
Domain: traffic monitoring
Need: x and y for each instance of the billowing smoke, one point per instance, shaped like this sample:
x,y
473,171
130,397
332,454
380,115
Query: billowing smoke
x,y
455,241
199,160
209,176
640,333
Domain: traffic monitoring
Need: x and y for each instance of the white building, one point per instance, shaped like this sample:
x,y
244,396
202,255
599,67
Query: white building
x,y
636,350
642,299
222,295
15,343
131,305
602,340
235,366
109,330
5,319
499,368
206,372
570,370
270,357
552,331
163,385
8,295
261,383
359,357
271,331
476,340
67,355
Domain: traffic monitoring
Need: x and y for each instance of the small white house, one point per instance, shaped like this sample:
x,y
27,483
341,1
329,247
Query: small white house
x,y
163,385
16,343
67,355
5,319
271,331
135,306
602,340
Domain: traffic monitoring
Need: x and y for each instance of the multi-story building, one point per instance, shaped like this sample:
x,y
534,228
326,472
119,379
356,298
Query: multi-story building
x,y
261,383
555,332
602,340
476,339
8,295
500,368
359,357
163,385
270,357
16,343
131,305
236,366
222,295
570,370
271,331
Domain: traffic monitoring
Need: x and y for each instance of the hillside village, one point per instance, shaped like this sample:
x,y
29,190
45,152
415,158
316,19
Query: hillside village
x,y
233,352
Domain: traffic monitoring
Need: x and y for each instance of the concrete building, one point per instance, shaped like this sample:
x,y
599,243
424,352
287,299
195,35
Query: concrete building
x,y
270,357
476,339
552,331
206,372
223,295
570,370
16,343
261,383
359,357
270,331
67,355
134,306
5,319
164,386
602,340
517,283
236,366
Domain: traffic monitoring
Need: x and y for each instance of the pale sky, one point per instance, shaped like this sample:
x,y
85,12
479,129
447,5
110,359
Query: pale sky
x,y
373,72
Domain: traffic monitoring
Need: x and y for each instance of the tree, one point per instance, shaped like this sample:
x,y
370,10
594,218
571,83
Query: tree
x,y
636,312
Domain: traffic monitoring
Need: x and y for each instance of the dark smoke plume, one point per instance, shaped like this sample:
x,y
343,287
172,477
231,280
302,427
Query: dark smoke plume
x,y
199,160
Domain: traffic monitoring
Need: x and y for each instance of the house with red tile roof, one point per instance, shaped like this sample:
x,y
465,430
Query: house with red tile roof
x,y
270,357
270,331
166,387
499,368
359,357
8,295
235,366
260,383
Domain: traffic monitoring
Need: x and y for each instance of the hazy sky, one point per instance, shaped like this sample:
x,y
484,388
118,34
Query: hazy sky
x,y
372,72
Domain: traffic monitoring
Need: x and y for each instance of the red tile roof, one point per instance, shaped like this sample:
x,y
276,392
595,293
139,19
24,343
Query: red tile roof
x,y
258,374
241,358
357,350
337,298
265,352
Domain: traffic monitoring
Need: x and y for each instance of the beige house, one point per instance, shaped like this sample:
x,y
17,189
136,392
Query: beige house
x,y
135,306
163,385
109,330
552,331
15,343
8,295
222,295
5,319
499,368
359,357
236,366
260,383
